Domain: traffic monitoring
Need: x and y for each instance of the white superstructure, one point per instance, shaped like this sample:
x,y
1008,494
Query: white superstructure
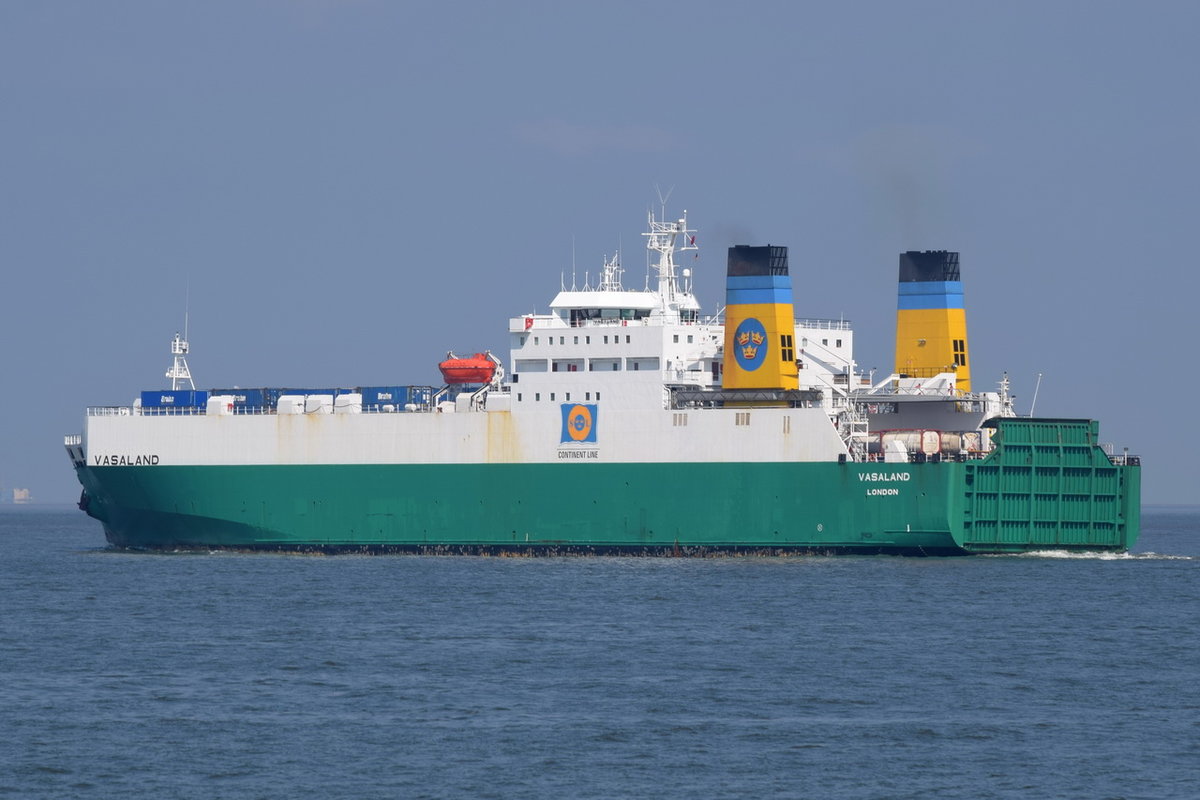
x,y
638,372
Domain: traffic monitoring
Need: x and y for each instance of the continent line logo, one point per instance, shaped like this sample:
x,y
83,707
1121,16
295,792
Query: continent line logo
x,y
578,423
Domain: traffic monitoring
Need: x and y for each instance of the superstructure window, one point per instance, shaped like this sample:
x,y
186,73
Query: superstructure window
x,y
787,350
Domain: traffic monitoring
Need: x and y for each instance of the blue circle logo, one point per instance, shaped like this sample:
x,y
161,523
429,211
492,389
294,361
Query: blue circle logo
x,y
750,344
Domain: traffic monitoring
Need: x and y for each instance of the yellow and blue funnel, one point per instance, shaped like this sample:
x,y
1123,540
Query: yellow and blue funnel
x,y
760,327
931,323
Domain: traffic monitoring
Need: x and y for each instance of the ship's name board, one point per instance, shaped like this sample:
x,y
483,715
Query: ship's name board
x,y
145,460
886,477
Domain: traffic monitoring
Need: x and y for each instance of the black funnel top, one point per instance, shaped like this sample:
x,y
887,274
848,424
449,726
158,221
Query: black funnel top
x,y
767,260
928,265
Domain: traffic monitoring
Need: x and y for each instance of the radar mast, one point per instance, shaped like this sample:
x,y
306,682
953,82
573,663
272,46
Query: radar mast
x,y
179,372
661,239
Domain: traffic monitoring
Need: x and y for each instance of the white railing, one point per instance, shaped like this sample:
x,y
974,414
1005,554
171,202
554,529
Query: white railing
x,y
825,324
73,440
109,411
199,411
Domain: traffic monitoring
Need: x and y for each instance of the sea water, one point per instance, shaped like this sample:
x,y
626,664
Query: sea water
x,y
275,676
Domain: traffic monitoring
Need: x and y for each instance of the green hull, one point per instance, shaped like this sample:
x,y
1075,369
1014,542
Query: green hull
x,y
1047,485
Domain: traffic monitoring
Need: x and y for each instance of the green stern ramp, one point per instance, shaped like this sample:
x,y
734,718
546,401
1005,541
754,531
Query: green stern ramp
x,y
1048,484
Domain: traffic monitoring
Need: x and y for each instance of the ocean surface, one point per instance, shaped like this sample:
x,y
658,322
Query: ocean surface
x,y
274,676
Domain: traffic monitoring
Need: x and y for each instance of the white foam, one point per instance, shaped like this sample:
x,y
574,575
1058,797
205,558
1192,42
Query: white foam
x,y
1093,555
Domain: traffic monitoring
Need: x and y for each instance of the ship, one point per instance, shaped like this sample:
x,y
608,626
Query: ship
x,y
627,422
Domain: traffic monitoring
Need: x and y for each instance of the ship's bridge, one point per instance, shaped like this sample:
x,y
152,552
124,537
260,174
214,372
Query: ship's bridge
x,y
582,308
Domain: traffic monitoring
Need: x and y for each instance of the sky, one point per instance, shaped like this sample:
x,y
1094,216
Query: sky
x,y
337,193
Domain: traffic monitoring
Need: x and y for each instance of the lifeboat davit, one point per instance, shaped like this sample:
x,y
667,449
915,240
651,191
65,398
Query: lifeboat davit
x,y
478,368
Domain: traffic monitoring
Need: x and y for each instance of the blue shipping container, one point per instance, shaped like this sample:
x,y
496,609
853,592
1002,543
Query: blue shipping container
x,y
306,392
166,398
244,398
384,396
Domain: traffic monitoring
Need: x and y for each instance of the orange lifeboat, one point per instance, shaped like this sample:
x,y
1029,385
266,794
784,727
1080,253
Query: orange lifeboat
x,y
479,368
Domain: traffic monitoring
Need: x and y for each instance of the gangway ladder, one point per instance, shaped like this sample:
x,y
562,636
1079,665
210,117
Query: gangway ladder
x,y
854,429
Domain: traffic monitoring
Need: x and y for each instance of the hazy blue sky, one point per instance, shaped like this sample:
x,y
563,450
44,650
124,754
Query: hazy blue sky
x,y
349,189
